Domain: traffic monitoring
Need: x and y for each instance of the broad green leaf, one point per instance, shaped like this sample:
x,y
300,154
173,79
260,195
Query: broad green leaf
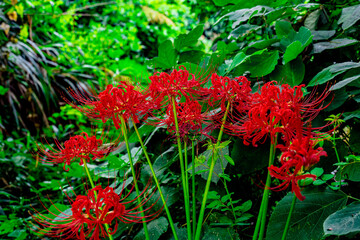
x,y
350,115
322,34
192,56
291,73
350,171
333,44
263,43
279,13
116,162
244,29
242,15
345,82
344,221
308,216
312,19
317,171
292,51
258,65
156,228
283,28
238,59
144,131
349,16
332,71
167,56
191,38
3,90
219,234
340,97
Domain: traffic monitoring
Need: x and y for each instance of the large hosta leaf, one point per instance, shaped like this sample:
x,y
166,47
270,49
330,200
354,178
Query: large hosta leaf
x,y
308,216
344,221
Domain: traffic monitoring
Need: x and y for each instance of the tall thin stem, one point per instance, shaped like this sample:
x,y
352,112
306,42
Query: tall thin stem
x,y
289,218
182,168
156,180
123,129
93,186
261,220
211,169
193,187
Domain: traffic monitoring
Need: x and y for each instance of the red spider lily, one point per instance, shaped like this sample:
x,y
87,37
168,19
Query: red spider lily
x,y
80,146
190,118
113,103
236,91
277,109
300,155
178,83
90,213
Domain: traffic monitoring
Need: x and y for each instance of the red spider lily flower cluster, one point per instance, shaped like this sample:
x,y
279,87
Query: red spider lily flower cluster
x,y
90,213
80,146
178,83
276,109
235,91
113,103
296,158
190,118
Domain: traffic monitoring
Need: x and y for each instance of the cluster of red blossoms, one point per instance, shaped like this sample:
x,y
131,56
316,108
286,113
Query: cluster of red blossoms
x,y
90,213
274,110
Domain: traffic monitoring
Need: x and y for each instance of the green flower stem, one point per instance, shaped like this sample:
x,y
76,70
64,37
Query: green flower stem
x,y
227,191
211,169
261,220
193,187
182,167
289,218
156,181
123,129
93,186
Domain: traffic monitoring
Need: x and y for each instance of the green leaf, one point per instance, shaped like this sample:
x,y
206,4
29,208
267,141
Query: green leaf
x,y
308,216
333,44
283,28
279,13
144,131
219,234
350,171
350,115
349,16
258,65
242,15
229,159
156,228
192,56
116,162
263,43
292,51
332,71
191,38
291,73
167,56
3,90
323,34
344,221
312,19
317,171
345,82
238,59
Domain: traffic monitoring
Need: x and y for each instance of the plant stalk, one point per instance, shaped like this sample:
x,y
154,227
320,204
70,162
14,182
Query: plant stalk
x,y
211,169
156,180
193,187
183,172
123,129
289,218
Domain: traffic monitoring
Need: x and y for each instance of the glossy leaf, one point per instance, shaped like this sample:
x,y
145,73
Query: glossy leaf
x,y
344,221
156,228
308,216
191,38
333,44
349,16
